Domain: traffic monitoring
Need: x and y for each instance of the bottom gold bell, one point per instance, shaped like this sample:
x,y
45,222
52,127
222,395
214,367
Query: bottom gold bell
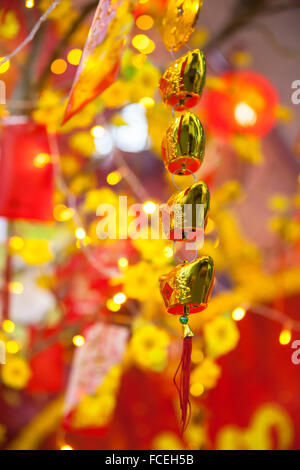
x,y
188,286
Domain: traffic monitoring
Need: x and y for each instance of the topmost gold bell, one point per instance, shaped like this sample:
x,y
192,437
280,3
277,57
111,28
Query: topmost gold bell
x,y
182,83
179,21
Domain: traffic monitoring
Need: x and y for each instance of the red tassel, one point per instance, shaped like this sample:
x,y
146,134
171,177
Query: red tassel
x,y
183,388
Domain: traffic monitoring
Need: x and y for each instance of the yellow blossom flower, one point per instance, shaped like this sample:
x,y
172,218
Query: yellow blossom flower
x,y
9,26
116,95
248,148
153,250
279,202
94,197
69,165
83,143
221,336
145,82
36,251
206,373
94,410
62,9
16,372
111,381
148,347
82,182
140,282
241,58
167,441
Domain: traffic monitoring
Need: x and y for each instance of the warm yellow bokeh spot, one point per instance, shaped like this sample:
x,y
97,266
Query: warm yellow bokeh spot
x,y
58,66
74,56
5,66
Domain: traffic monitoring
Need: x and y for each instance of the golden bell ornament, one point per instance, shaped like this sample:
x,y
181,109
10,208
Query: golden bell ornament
x,y
187,288
185,215
182,83
183,145
179,21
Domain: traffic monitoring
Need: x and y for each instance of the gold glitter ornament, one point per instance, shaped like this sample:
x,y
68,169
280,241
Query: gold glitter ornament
x,y
183,145
179,21
182,83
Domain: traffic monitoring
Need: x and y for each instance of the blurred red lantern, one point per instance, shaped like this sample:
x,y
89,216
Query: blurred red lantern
x,y
26,171
245,103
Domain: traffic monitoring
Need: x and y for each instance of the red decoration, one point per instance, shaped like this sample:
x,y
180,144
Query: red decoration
x,y
245,103
26,182
47,366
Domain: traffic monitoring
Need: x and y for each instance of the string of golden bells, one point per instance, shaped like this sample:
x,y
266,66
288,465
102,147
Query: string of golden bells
x,y
187,288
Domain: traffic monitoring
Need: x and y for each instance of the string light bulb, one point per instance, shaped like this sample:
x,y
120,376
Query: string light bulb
x,y
149,207
238,313
78,340
8,326
120,298
80,233
123,263
285,336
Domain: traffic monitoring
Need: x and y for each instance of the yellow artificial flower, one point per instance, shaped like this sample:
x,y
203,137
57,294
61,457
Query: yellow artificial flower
x,y
284,113
82,182
94,411
9,26
145,82
140,282
116,95
60,11
206,373
167,440
69,165
46,282
279,202
149,347
154,250
221,336
200,37
248,148
94,197
111,381
83,143
36,251
159,118
16,372
241,59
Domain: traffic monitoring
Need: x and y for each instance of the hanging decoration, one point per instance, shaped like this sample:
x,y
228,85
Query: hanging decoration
x,y
102,53
187,288
182,83
94,378
183,145
186,225
179,21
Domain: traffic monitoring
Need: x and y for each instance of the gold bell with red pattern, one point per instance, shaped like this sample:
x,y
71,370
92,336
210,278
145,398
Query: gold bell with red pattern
x,y
184,217
182,83
183,145
187,288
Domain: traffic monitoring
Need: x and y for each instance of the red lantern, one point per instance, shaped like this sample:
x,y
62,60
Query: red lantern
x,y
245,103
26,171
